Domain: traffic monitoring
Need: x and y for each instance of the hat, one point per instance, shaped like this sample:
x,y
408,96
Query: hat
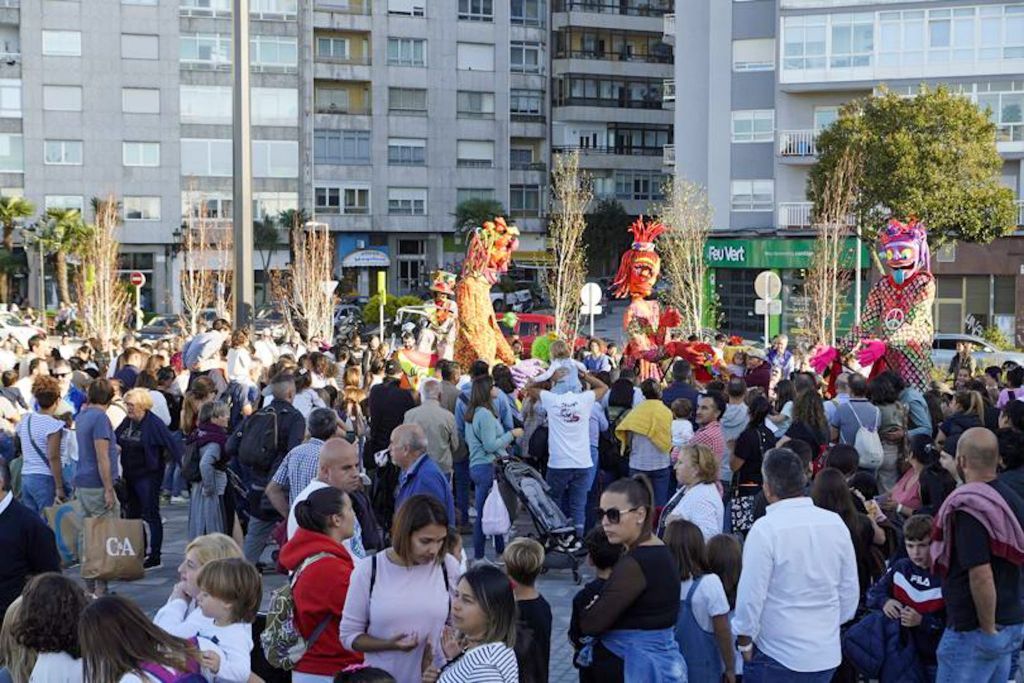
x,y
754,352
443,282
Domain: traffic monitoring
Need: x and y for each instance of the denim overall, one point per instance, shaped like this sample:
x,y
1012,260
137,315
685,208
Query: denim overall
x,y
699,648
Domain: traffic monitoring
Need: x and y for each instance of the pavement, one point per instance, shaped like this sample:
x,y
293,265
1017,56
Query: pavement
x,y
150,592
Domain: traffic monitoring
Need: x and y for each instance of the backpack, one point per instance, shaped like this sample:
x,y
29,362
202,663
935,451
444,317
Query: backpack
x,y
191,674
282,643
868,445
610,453
190,458
257,446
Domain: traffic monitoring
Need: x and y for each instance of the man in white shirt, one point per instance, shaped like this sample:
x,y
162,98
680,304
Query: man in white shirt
x,y
799,582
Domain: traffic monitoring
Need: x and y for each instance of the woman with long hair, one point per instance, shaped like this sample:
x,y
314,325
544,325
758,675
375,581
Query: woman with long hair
x,y
782,414
831,491
16,660
809,422
892,428
745,462
967,410
48,625
120,645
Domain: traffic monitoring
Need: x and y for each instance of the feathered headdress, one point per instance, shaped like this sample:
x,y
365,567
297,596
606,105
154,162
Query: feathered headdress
x,y
642,251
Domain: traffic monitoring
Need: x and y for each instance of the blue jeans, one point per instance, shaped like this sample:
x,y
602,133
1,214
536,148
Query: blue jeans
x,y
569,489
37,492
173,482
6,447
661,482
483,480
144,503
460,472
764,669
977,657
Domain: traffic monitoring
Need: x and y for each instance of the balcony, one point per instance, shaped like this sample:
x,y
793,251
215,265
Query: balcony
x,y
652,151
669,158
798,143
331,108
797,216
669,30
359,7
668,90
1020,213
638,8
528,166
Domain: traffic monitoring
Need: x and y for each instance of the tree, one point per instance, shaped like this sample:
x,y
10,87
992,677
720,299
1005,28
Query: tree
x,y
606,235
686,214
473,212
11,264
62,233
102,293
311,268
570,194
932,156
12,210
196,278
265,237
99,205
291,220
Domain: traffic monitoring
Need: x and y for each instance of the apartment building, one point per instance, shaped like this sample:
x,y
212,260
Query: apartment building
x,y
767,75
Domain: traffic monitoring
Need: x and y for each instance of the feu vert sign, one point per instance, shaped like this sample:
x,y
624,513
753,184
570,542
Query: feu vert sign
x,y
769,253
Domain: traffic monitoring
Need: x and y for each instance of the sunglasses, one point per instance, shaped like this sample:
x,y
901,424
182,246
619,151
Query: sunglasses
x,y
614,515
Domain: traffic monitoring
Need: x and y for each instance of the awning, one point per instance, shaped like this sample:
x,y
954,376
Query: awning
x,y
533,259
366,258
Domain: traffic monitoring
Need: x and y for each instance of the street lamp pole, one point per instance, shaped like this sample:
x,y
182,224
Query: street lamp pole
x,y
242,170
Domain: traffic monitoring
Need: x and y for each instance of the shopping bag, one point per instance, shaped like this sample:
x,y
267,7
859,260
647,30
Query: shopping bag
x,y
495,520
114,549
65,520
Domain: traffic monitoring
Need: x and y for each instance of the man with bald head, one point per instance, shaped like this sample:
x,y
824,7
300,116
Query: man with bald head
x,y
420,474
982,584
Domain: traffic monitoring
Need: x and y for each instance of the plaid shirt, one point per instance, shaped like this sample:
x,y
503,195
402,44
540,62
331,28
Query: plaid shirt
x,y
711,436
299,468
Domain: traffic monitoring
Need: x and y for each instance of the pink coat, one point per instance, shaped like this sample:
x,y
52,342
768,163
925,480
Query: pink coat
x,y
981,501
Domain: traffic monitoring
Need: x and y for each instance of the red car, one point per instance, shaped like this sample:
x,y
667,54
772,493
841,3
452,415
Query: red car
x,y
529,326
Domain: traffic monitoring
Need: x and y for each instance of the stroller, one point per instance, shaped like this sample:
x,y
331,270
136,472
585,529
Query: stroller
x,y
519,481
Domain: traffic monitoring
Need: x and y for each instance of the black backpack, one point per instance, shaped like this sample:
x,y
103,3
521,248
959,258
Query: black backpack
x,y
609,449
257,447
190,458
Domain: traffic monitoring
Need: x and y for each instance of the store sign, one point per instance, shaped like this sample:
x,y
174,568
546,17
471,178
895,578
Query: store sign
x,y
366,258
779,253
727,254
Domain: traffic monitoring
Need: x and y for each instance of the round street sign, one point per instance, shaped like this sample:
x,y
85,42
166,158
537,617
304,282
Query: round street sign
x,y
767,284
590,295
137,278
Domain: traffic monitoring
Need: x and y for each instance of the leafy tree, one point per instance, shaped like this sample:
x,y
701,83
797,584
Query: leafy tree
x,y
371,309
62,233
292,220
12,210
606,236
932,156
266,236
473,212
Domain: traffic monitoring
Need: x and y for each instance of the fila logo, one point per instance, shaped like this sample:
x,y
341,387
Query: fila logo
x,y
117,547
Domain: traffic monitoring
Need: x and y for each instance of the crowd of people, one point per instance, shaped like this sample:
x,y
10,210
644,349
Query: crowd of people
x,y
767,525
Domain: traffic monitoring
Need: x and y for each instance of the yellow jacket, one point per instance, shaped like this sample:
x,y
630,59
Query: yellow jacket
x,y
651,419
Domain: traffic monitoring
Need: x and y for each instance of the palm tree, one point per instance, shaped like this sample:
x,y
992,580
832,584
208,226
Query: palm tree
x,y
62,233
99,204
265,237
12,210
292,220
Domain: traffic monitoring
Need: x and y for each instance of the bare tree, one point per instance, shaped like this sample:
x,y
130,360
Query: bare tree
x,y
312,268
224,294
687,216
828,278
196,278
103,294
571,194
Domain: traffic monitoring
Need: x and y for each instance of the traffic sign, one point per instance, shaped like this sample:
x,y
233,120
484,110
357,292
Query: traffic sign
x,y
771,307
588,309
590,295
767,284
137,278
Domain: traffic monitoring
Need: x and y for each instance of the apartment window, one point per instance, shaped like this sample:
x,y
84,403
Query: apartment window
x,y
639,185
62,152
275,159
853,38
471,104
474,153
526,102
475,57
205,157
273,203
633,140
140,153
407,151
407,201
1006,109
408,101
205,7
205,48
62,43
757,54
825,117
140,100
476,10
527,12
273,8
62,97
63,201
804,46
524,57
142,208
332,100
333,48
328,199
407,52
408,8
524,200
275,51
337,147
412,264
520,157
205,104
343,200
12,153
212,206
753,195
139,46
753,125
596,91
464,194
10,98
275,106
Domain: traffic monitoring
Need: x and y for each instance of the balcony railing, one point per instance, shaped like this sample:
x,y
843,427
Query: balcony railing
x,y
669,157
1020,213
344,6
798,143
652,151
616,56
653,101
798,215
668,90
528,166
641,8
352,60
342,111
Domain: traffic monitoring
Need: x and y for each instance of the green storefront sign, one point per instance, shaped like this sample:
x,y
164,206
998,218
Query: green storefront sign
x,y
779,253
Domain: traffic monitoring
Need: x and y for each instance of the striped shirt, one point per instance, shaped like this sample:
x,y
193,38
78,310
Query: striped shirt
x,y
299,468
489,663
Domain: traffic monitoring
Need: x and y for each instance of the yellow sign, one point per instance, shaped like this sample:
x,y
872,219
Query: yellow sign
x,y
382,283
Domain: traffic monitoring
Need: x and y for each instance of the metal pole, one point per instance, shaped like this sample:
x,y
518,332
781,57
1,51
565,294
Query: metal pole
x,y
856,280
242,169
42,277
138,307
767,317
591,322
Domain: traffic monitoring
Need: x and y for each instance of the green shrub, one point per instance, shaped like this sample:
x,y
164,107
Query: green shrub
x,y
371,311
994,336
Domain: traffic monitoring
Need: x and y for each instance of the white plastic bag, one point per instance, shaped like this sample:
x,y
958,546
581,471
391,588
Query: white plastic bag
x,y
495,520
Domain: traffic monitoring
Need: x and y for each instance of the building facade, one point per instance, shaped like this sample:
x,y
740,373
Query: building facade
x,y
768,75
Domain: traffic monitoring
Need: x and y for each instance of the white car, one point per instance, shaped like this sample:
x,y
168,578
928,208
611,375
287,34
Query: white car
x,y
944,348
13,326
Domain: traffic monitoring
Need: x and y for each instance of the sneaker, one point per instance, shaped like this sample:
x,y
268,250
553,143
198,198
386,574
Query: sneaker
x,y
165,498
153,562
178,500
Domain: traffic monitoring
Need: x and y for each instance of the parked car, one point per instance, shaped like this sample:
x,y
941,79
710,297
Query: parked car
x,y
270,318
13,326
944,348
159,328
529,326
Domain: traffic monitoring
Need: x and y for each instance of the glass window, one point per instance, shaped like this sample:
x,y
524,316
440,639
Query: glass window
x,y
407,52
140,100
853,37
526,102
275,106
804,44
357,200
138,46
62,97
62,152
753,125
639,185
332,100
273,203
327,199
466,193
12,155
478,153
62,43
205,7
142,208
475,105
525,57
206,104
273,8
10,98
524,200
409,8
476,10
825,117
63,201
338,147
407,151
753,195
140,153
343,200
527,12
520,157
206,157
332,48
205,48
407,201
275,51
407,101
757,54
275,159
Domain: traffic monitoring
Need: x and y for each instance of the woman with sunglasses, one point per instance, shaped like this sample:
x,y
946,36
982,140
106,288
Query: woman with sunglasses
x,y
634,617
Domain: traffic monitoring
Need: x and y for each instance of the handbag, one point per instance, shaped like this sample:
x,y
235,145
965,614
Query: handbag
x,y
741,507
65,520
113,549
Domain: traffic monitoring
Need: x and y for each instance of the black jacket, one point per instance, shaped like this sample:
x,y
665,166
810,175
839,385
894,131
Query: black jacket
x,y
29,548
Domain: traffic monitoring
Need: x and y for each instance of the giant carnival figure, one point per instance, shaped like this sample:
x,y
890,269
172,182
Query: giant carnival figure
x,y
895,332
438,336
488,256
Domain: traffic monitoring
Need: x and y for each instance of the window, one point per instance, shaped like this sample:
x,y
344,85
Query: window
x,y
62,97
342,200
476,10
407,151
853,37
757,54
337,147
205,7
407,52
205,104
464,194
412,264
753,195
140,153
140,100
10,98
527,12
12,153
524,200
526,102
205,157
138,46
62,43
63,201
525,57
331,100
407,201
142,208
273,8
804,44
408,101
520,157
753,125
1006,109
332,48
274,51
275,159
475,105
273,203
639,185
474,153
275,106
205,48
475,57
824,117
408,8
62,152
211,205
597,91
